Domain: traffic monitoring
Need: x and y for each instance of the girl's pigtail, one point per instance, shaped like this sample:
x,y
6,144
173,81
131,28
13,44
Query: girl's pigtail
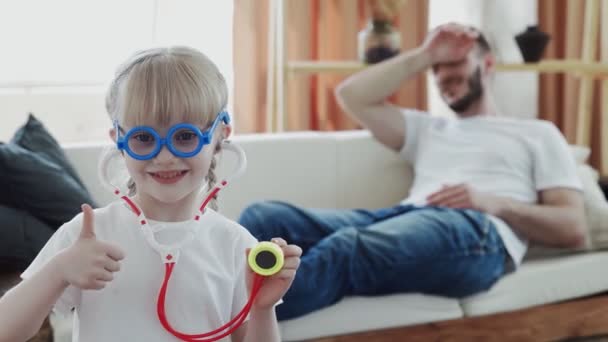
x,y
131,187
212,178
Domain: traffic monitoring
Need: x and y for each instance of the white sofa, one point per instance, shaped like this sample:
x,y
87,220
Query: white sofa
x,y
348,170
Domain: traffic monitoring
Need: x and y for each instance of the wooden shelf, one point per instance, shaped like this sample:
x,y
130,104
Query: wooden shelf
x,y
314,67
599,70
559,66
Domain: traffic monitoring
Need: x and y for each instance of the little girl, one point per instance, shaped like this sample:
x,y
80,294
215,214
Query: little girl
x,y
168,124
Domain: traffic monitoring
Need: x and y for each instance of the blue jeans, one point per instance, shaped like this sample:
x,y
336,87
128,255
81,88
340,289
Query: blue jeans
x,y
430,250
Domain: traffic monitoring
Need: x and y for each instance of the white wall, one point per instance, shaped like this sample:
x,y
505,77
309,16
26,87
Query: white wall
x,y
70,115
500,20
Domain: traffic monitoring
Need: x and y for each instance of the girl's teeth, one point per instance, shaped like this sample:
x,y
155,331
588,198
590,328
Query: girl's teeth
x,y
167,175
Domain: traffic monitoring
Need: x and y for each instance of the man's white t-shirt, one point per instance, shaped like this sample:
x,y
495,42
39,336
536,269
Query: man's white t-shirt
x,y
207,288
507,157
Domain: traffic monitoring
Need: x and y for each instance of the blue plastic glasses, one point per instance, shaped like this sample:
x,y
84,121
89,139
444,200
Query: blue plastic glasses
x,y
184,140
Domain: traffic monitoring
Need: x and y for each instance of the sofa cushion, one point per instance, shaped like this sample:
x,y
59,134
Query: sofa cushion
x,y
369,175
596,208
596,212
21,238
33,183
34,137
356,314
297,167
598,224
85,157
543,281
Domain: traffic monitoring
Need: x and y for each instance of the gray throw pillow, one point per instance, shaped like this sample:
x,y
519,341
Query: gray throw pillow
x,y
36,177
33,136
21,238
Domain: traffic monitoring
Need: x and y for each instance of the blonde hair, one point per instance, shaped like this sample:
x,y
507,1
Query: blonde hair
x,y
157,84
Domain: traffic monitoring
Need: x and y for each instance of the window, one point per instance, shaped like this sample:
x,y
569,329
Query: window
x,y
58,56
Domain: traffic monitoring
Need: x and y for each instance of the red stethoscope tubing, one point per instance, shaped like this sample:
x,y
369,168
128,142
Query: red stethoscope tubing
x,y
228,328
225,329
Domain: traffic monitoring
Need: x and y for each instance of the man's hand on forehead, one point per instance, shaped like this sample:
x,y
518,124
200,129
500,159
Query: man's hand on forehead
x,y
450,43
458,30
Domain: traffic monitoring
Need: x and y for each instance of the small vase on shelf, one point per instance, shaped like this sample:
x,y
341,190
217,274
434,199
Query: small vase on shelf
x,y
532,43
378,41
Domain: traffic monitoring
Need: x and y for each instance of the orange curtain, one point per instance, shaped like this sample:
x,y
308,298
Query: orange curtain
x,y
250,45
316,30
558,93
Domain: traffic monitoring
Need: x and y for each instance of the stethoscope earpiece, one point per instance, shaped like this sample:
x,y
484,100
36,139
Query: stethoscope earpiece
x,y
266,258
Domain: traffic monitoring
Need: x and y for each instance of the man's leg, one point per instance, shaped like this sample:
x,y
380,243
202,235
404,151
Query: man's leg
x,y
429,250
305,227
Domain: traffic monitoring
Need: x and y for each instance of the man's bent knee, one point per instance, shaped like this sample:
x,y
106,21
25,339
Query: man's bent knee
x,y
259,216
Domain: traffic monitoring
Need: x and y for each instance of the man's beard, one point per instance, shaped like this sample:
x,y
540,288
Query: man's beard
x,y
474,94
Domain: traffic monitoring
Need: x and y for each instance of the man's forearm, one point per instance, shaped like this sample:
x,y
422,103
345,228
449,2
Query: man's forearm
x,y
550,225
262,327
377,82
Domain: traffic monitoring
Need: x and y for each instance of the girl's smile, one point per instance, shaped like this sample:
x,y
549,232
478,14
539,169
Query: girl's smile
x,y
168,177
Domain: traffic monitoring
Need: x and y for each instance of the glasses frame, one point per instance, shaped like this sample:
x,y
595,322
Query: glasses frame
x,y
204,138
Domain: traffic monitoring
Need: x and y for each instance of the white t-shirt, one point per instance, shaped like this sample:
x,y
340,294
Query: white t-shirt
x,y
508,157
207,288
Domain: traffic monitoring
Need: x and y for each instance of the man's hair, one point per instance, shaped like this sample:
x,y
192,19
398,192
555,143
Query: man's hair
x,y
482,42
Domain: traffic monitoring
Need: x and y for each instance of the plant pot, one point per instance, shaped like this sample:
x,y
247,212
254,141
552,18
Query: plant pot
x,y
378,42
532,43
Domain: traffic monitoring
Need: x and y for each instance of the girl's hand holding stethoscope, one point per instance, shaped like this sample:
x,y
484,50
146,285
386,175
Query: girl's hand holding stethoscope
x,y
275,286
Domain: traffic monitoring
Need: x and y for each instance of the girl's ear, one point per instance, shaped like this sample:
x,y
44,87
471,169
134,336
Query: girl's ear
x,y
226,131
223,135
112,134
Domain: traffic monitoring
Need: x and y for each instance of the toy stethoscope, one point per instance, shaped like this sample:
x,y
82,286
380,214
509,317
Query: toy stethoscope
x,y
265,258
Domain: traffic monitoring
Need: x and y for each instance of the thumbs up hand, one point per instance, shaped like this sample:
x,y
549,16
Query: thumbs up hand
x,y
89,264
